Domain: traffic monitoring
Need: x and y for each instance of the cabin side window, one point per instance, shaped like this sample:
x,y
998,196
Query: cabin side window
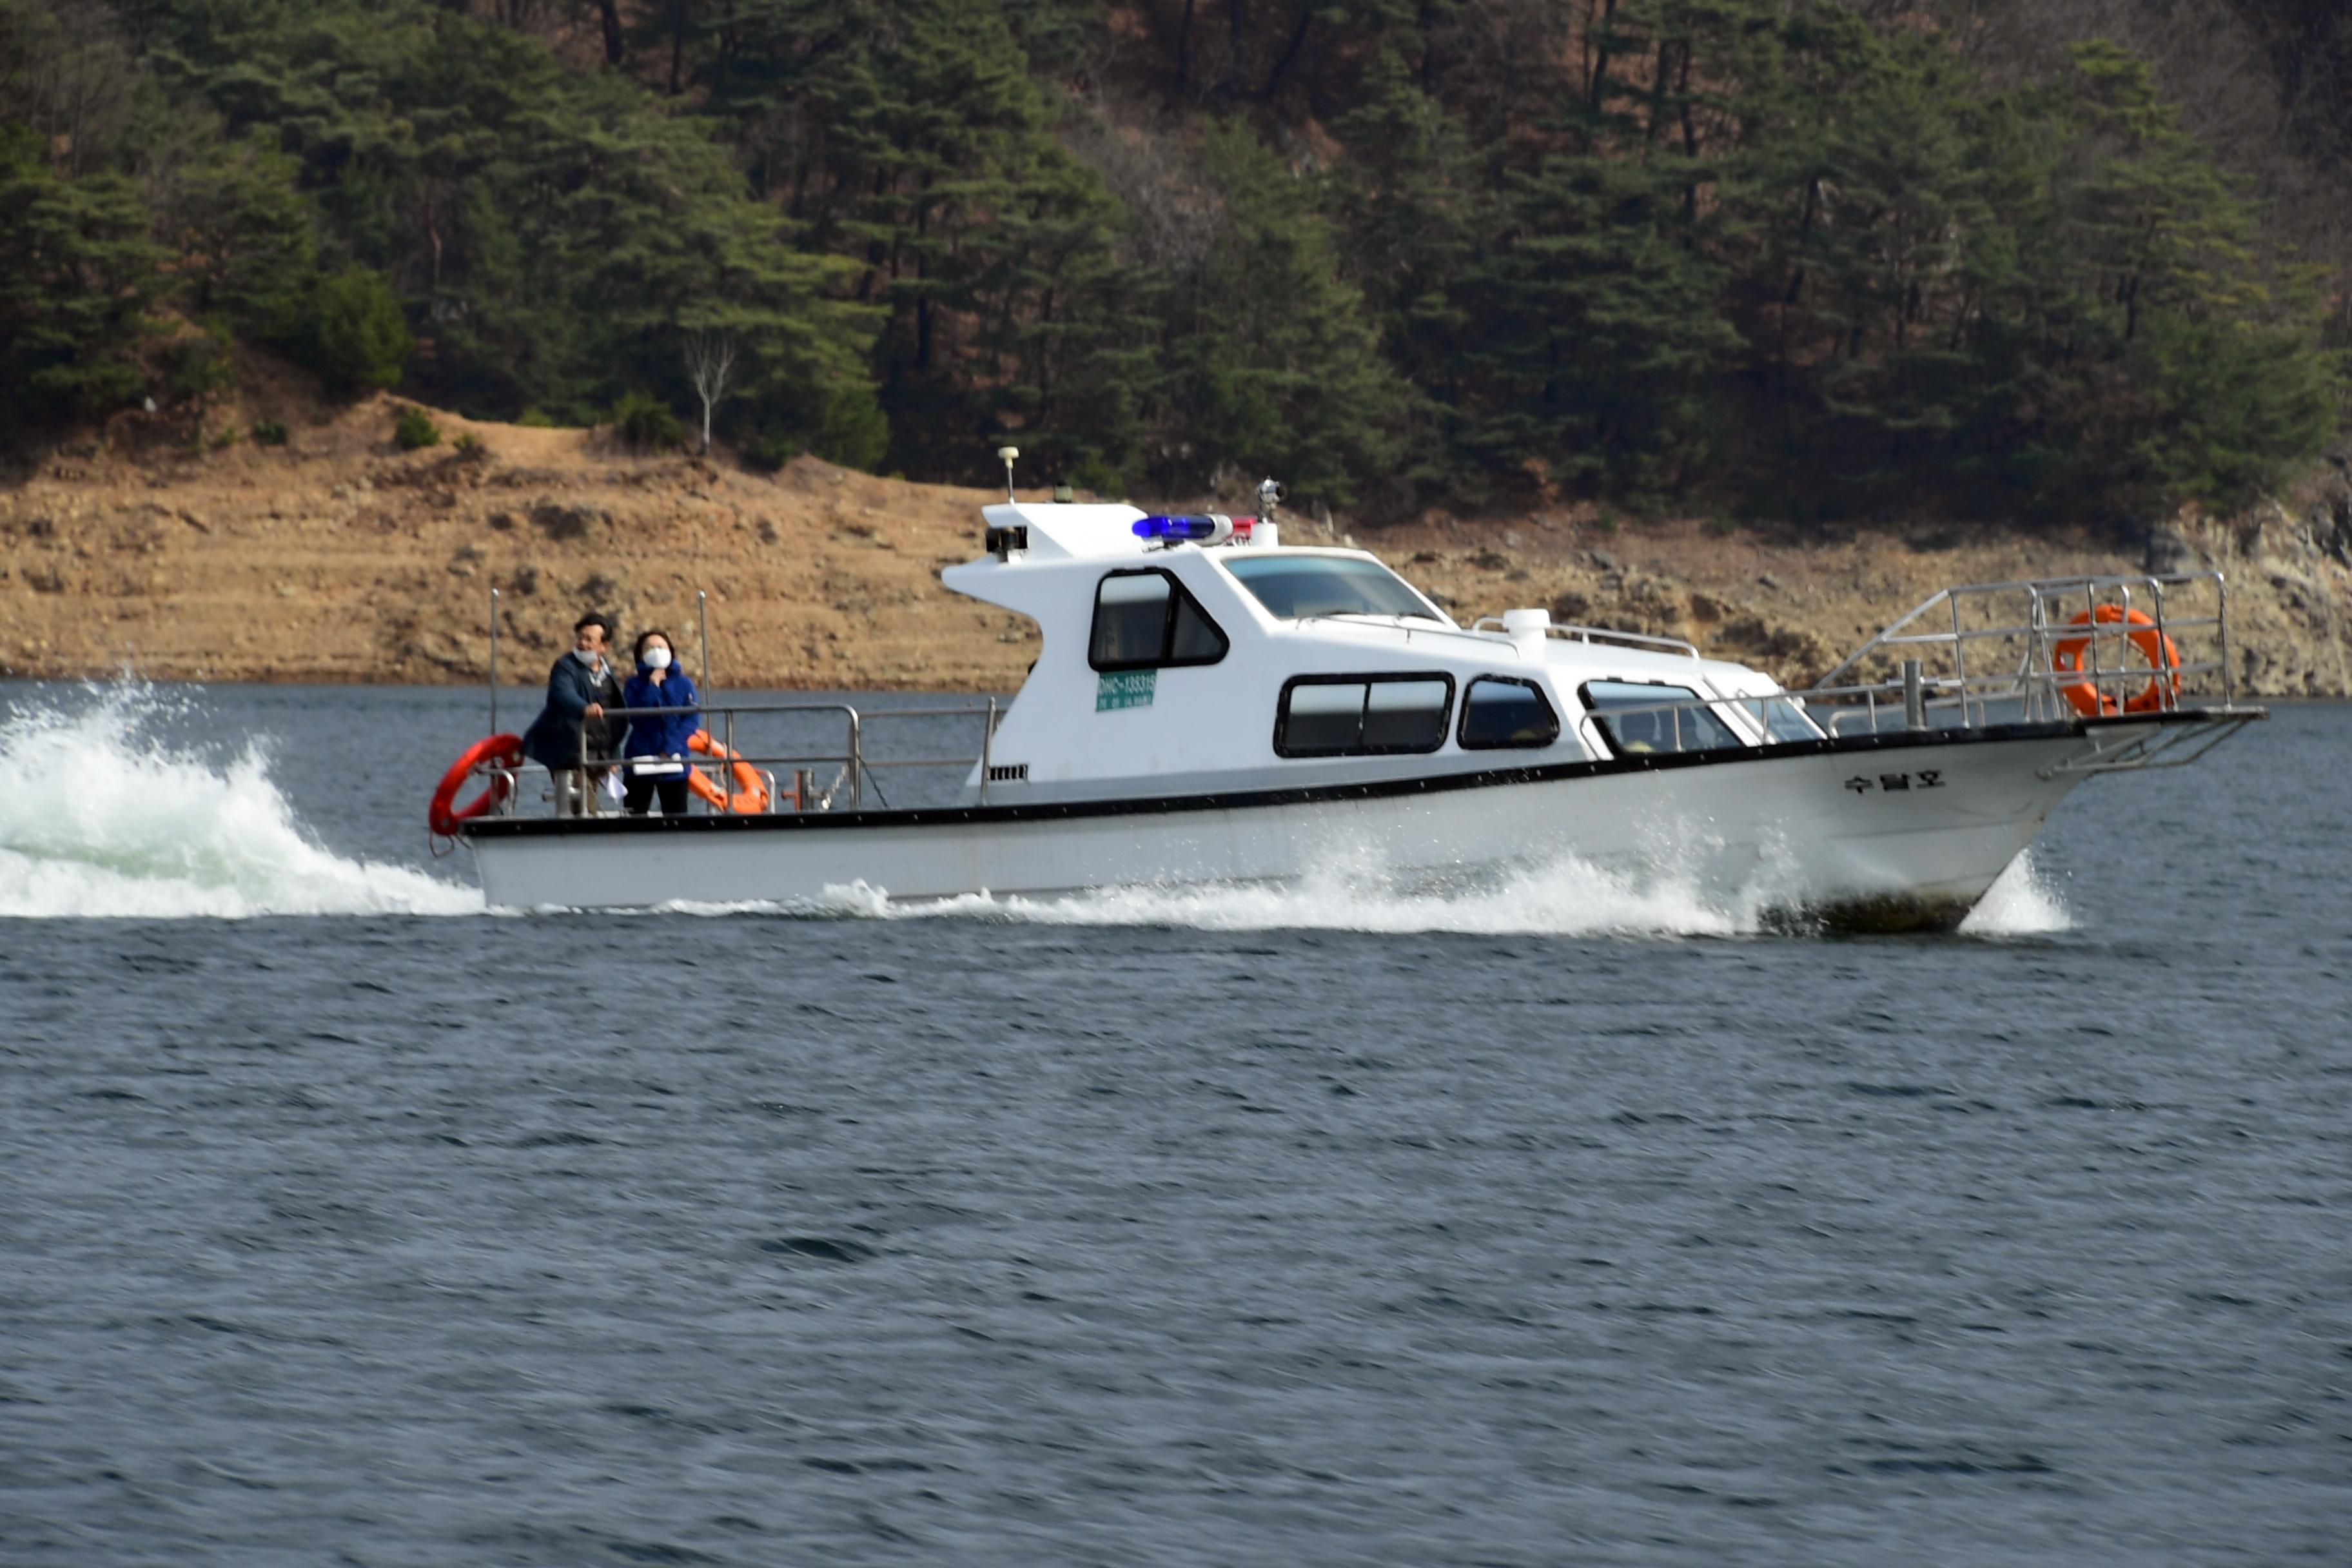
x,y
1785,721
1145,620
1362,715
1642,719
1499,711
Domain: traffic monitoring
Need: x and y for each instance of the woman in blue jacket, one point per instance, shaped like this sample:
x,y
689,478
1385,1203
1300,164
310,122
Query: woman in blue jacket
x,y
657,742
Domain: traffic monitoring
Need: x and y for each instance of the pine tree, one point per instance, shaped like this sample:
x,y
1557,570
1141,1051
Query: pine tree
x,y
1599,339
907,138
80,280
1274,361
245,240
1414,208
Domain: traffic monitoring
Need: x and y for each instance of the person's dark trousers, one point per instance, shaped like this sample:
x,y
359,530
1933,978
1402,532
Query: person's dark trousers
x,y
638,791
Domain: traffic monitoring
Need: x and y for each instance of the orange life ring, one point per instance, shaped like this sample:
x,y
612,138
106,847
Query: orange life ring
x,y
2068,658
445,815
751,790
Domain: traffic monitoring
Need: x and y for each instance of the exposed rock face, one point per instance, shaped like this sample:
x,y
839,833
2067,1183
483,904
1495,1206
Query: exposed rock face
x,y
1797,606
336,558
2168,550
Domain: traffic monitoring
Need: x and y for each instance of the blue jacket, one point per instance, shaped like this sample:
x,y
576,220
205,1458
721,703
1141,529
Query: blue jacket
x,y
660,734
553,739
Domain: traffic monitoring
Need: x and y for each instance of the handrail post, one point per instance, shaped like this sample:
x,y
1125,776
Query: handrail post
x,y
2166,698
987,743
2221,595
2091,642
702,636
1961,660
2037,654
494,661
857,763
2123,646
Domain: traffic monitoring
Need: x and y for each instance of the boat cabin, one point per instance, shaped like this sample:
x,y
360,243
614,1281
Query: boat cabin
x,y
1195,656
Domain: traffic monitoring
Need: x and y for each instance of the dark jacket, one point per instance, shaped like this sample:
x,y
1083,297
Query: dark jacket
x,y
660,734
553,739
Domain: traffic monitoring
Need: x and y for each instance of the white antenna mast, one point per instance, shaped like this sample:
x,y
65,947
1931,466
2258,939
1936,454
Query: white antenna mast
x,y
1006,455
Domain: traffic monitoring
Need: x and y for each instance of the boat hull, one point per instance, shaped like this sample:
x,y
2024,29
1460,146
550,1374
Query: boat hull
x,y
1900,832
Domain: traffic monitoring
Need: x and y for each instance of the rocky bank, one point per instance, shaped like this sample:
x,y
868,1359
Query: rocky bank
x,y
337,557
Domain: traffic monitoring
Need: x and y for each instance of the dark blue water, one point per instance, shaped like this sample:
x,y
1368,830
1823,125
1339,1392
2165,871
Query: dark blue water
x,y
1183,1231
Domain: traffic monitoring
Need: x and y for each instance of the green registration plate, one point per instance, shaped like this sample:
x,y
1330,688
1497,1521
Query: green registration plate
x,y
1124,688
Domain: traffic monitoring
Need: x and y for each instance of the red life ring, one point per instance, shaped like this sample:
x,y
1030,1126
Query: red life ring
x,y
751,796
2163,662
445,816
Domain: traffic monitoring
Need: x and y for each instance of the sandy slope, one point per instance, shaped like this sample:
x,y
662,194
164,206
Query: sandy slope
x,y
338,558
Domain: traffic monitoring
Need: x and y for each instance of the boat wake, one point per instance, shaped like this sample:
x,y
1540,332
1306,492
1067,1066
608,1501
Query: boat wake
x,y
100,819
1564,898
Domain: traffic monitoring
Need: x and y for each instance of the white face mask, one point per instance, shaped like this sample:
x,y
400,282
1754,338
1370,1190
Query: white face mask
x,y
656,658
591,659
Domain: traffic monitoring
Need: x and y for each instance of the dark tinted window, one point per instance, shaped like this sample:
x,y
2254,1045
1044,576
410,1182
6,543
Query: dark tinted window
x,y
1640,718
1145,619
1295,586
1344,716
1195,639
1130,619
1322,719
1496,713
1407,715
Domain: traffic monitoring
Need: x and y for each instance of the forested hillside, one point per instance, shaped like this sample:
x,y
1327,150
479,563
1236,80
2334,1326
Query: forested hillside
x,y
1765,257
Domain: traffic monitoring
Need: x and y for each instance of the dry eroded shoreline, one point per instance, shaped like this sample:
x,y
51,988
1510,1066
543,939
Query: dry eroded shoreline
x,y
336,558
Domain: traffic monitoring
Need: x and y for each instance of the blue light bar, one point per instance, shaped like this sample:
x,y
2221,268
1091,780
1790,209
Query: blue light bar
x,y
1215,527
1176,528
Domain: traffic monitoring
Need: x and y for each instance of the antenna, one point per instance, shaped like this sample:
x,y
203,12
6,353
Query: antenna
x,y
1005,456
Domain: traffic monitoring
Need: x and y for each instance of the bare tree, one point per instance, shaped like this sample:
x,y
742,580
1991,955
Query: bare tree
x,y
710,365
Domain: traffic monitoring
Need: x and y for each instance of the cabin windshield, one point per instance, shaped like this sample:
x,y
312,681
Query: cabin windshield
x,y
1293,588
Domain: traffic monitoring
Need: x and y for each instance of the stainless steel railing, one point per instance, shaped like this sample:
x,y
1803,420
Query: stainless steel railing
x,y
1985,646
857,768
1570,633
1985,653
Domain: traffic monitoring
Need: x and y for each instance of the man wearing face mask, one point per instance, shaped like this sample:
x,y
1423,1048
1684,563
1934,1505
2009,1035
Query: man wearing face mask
x,y
579,688
657,742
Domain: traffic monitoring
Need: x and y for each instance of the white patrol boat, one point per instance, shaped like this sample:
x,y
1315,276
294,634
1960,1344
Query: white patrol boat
x,y
1210,705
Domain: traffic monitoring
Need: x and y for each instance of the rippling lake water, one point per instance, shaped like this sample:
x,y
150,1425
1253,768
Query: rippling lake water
x,y
343,1223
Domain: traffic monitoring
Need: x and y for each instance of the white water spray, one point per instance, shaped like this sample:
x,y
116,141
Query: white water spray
x,y
2021,902
1566,898
98,820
